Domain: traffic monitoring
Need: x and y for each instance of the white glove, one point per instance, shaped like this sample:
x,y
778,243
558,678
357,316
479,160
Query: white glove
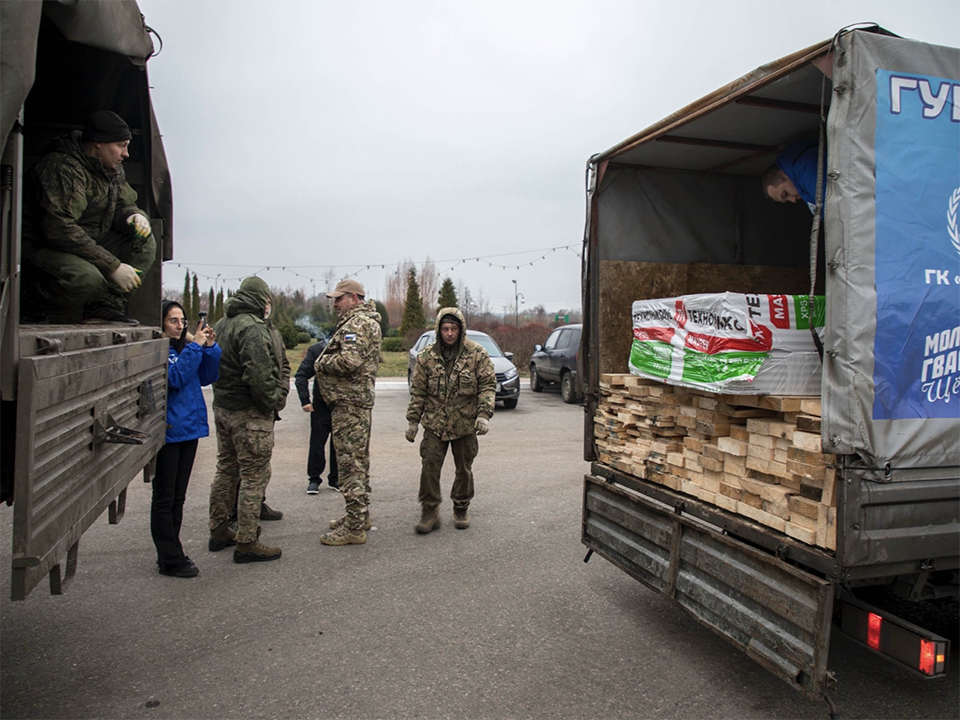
x,y
140,224
483,426
411,433
126,277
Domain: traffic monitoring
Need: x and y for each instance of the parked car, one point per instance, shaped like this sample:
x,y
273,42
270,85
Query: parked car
x,y
556,362
508,379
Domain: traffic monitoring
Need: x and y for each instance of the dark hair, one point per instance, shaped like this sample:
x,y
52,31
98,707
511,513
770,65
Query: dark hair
x,y
165,308
773,176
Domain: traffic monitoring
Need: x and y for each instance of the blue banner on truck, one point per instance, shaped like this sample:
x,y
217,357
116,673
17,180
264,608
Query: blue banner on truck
x,y
917,343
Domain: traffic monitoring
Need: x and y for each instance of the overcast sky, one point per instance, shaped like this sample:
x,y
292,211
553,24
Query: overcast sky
x,y
317,135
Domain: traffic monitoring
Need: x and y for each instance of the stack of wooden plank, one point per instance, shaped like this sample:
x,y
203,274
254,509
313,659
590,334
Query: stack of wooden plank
x,y
758,456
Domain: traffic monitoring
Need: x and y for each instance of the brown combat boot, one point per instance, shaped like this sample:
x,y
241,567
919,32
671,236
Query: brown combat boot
x,y
221,537
255,552
429,520
460,519
334,524
343,535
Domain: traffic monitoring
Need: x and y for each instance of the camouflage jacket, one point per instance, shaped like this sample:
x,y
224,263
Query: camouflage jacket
x,y
448,404
254,370
72,200
346,370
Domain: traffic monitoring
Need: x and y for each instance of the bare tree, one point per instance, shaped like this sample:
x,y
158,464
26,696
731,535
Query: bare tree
x,y
395,293
429,280
328,277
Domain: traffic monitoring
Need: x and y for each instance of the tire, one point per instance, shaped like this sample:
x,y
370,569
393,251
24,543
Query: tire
x,y
510,404
536,384
568,390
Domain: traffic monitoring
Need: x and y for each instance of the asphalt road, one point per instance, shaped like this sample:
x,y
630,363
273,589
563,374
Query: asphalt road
x,y
503,620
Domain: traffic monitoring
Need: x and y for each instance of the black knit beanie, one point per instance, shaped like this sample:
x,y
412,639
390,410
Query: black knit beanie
x,y
106,126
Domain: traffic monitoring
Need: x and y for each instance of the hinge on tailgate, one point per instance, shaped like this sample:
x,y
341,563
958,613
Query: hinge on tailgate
x,y
48,346
109,431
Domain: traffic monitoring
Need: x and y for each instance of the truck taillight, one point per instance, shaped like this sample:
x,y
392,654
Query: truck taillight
x,y
933,657
894,638
874,622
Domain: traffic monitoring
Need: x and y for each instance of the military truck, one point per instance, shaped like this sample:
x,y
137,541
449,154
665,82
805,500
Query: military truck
x,y
82,407
678,210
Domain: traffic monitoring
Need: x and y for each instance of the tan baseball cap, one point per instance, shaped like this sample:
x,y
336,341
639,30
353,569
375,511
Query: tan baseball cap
x,y
347,287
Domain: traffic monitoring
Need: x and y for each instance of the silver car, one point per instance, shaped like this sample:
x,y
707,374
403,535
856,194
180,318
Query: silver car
x,y
508,379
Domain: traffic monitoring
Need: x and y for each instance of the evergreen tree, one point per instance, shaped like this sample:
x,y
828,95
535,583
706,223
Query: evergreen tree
x,y
384,317
218,313
447,297
210,306
194,300
413,317
186,295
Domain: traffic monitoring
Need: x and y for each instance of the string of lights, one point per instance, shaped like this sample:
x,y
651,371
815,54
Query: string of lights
x,y
295,269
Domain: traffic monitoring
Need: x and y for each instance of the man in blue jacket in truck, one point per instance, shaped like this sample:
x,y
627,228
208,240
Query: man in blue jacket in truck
x,y
794,176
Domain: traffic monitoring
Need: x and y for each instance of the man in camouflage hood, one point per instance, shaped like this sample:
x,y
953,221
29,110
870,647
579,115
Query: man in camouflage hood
x,y
252,388
346,373
452,393
84,238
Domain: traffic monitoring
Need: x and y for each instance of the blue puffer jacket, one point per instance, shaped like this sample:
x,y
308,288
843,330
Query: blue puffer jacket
x,y
194,367
799,163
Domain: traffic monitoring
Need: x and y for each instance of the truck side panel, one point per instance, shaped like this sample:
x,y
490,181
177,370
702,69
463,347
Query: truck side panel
x,y
916,517
777,614
66,475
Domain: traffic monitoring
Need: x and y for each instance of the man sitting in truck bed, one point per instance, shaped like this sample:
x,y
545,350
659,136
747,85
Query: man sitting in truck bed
x,y
85,241
794,176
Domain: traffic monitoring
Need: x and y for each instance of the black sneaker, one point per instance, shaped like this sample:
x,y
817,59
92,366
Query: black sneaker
x,y
313,488
335,484
101,313
188,570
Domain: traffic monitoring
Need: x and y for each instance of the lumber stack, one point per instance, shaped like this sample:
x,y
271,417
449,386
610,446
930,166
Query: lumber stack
x,y
758,456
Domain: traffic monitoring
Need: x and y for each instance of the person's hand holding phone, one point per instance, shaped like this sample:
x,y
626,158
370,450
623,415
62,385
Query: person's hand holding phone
x,y
205,335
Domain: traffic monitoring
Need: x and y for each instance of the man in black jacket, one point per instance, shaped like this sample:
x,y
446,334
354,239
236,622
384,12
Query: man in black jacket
x,y
321,426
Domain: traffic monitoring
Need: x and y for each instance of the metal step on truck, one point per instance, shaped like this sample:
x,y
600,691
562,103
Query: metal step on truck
x,y
774,517
82,407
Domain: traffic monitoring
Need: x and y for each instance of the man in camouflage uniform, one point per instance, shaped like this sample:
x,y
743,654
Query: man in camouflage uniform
x,y
452,393
252,389
84,238
346,373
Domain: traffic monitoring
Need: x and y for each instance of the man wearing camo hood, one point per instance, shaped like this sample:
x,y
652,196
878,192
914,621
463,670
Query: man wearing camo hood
x,y
452,393
252,388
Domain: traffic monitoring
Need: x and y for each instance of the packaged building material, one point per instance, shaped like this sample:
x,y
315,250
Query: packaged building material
x,y
729,342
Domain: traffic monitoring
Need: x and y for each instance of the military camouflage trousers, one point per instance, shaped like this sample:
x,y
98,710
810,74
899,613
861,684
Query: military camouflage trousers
x,y
57,279
351,440
433,451
244,448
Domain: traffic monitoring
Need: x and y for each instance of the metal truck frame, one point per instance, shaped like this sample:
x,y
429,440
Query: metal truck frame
x,y
82,407
678,209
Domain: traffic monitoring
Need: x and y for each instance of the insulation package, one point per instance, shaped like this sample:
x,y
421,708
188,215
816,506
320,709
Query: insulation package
x,y
729,343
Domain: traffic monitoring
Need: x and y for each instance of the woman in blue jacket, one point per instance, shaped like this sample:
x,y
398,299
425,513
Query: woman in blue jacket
x,y
193,362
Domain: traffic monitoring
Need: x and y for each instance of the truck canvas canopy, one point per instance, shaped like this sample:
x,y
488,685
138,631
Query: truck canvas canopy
x,y
889,260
